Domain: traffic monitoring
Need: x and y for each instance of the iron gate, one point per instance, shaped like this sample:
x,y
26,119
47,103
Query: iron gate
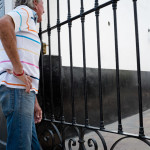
x,y
58,127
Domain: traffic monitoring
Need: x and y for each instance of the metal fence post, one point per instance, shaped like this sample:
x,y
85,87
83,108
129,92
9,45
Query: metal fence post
x,y
114,5
99,66
141,129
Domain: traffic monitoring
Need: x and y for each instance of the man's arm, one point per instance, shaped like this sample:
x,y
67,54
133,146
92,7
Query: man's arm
x,y
8,39
37,112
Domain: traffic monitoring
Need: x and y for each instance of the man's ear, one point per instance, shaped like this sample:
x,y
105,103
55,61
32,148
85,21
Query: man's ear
x,y
35,4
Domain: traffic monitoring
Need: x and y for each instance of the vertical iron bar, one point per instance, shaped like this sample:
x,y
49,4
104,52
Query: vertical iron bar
x,y
50,63
42,73
99,66
60,69
114,5
71,64
84,64
141,129
81,139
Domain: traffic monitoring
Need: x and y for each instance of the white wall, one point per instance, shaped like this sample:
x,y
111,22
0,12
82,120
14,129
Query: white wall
x,y
126,34
8,5
2,8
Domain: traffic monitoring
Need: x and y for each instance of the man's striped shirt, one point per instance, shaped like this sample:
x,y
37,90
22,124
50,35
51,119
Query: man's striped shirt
x,y
28,46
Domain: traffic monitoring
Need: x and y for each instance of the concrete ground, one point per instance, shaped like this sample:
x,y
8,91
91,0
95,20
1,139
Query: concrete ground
x,y
130,125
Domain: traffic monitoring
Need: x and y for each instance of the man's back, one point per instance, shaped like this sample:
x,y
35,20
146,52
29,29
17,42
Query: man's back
x,y
28,46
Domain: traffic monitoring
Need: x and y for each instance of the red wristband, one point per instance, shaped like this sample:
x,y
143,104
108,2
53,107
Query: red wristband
x,y
18,74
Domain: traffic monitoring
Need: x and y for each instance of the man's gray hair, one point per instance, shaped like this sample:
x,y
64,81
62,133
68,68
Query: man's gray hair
x,y
28,3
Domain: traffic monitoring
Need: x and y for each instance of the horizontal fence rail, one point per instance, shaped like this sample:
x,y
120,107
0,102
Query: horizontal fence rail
x,y
57,125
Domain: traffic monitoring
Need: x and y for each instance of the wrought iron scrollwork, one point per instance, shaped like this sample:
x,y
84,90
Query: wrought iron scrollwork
x,y
47,138
81,133
57,137
71,142
95,143
119,140
50,137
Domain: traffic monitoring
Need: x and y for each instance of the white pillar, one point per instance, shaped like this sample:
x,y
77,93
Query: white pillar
x,y
8,5
2,8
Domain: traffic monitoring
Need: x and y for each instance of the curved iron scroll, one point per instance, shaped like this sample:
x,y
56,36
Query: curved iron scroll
x,y
92,140
57,138
71,142
50,137
81,132
119,140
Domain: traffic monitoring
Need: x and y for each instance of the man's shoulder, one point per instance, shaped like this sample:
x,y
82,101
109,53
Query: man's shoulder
x,y
23,8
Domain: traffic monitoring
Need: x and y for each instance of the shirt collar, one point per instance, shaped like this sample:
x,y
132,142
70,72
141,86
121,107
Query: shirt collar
x,y
35,16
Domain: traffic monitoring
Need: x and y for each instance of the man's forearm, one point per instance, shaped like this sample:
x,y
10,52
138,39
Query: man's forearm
x,y
8,39
36,101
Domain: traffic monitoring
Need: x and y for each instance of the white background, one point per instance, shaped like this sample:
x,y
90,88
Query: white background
x,y
126,34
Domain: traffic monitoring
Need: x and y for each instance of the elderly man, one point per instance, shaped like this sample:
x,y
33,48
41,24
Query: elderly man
x,y
19,73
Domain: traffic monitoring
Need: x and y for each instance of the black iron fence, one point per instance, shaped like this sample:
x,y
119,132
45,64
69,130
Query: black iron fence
x,y
57,126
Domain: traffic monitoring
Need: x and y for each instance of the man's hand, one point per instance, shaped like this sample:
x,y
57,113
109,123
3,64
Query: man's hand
x,y
37,112
25,78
